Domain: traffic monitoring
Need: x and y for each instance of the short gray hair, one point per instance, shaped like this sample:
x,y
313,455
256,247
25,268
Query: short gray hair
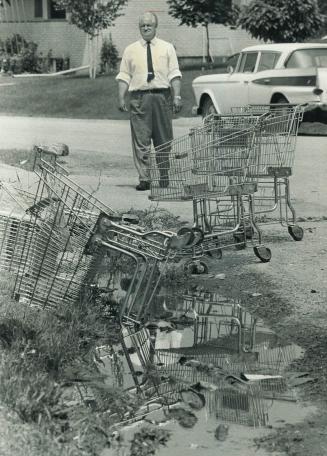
x,y
149,13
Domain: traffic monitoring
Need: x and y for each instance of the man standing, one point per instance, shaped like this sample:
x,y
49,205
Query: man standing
x,y
149,71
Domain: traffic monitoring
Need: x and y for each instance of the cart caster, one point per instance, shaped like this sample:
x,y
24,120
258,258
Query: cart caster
x,y
196,267
263,253
198,236
296,232
216,253
194,399
187,234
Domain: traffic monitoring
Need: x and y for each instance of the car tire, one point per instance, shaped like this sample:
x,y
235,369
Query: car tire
x,y
208,107
281,100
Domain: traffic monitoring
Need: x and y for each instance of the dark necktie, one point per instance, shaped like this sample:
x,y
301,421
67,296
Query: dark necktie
x,y
150,64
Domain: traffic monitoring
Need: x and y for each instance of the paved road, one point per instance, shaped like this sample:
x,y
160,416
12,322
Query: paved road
x,y
108,141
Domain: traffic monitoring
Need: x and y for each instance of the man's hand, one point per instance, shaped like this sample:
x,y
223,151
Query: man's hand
x,y
122,106
177,104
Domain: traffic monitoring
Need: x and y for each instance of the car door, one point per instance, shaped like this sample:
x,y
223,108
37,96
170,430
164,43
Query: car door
x,y
260,84
236,87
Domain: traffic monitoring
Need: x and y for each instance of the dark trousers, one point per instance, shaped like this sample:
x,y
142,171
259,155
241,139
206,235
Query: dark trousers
x,y
151,120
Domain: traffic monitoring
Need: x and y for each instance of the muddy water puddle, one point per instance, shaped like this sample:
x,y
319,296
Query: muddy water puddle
x,y
226,357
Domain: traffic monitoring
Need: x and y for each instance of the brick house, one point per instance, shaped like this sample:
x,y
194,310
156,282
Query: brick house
x,y
39,21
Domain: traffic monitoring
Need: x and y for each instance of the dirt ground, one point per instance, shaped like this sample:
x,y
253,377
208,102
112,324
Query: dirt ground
x,y
290,294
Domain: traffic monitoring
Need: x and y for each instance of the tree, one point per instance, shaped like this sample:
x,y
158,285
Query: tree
x,y
323,9
92,16
203,12
282,21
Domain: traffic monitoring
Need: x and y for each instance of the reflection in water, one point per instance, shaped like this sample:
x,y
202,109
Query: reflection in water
x,y
210,344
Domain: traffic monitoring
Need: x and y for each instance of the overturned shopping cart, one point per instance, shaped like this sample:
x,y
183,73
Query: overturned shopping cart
x,y
17,196
66,252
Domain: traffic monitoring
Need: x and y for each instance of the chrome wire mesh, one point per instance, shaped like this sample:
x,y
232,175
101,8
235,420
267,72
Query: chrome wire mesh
x,y
206,161
15,225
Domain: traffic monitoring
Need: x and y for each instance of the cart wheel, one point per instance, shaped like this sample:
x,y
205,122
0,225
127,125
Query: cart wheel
x,y
263,253
296,232
198,235
188,233
240,242
196,267
215,253
194,399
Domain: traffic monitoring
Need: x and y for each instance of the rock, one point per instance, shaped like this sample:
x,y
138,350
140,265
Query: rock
x,y
220,276
185,418
221,432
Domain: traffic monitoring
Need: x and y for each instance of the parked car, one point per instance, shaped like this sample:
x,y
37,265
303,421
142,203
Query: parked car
x,y
263,74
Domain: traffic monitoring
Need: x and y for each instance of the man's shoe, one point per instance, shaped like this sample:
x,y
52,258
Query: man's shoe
x,y
143,185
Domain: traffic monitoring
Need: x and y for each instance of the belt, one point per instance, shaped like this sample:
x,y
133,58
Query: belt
x,y
141,92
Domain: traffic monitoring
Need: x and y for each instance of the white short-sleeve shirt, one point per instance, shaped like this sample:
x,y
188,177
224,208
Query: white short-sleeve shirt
x,y
134,70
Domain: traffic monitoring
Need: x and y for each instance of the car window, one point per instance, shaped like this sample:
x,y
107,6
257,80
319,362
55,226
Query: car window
x,y
268,60
232,61
248,62
306,58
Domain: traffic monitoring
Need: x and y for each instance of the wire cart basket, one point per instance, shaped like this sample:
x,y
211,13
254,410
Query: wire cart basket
x,y
277,138
69,241
216,164
17,197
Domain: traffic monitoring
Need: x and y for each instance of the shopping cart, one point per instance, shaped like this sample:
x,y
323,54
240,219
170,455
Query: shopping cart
x,y
71,232
216,164
277,137
17,197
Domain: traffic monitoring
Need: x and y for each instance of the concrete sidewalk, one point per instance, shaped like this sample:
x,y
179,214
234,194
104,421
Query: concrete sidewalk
x,y
80,134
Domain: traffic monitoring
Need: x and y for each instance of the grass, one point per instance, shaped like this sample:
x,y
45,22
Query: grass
x,y
43,355
78,97
75,96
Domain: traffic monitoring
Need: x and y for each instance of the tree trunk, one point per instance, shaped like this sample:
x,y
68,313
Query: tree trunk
x,y
93,50
209,58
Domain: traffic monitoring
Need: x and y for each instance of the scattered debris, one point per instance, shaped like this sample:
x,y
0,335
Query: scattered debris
x,y
185,418
148,440
220,276
221,432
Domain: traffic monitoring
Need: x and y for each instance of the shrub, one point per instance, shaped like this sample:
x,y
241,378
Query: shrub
x,y
14,44
30,62
18,55
108,56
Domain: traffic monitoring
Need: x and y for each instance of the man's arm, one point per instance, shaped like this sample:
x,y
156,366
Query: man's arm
x,y
176,84
122,89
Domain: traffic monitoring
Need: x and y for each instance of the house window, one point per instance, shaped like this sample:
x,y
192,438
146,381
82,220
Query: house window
x,y
38,8
55,12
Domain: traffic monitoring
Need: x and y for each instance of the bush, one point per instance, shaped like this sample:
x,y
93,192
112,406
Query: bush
x,y
14,44
108,56
30,62
18,55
